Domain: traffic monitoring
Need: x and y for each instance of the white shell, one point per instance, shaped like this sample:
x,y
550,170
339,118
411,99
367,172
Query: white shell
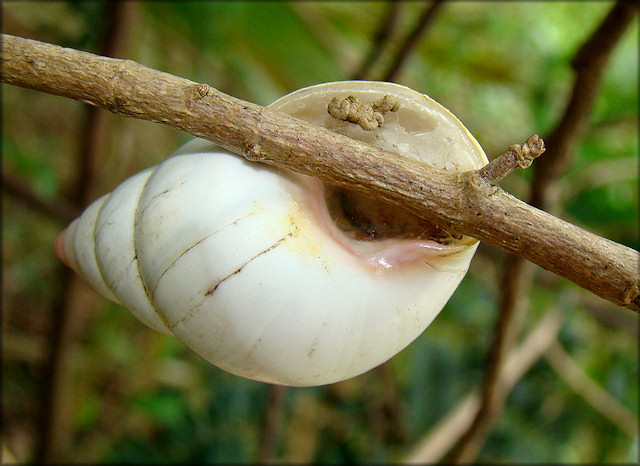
x,y
242,263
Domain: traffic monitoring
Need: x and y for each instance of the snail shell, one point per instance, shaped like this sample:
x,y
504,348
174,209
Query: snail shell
x,y
269,274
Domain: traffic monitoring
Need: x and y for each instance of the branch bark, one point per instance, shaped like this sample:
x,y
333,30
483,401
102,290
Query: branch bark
x,y
462,202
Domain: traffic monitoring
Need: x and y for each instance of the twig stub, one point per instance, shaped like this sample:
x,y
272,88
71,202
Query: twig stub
x,y
517,156
368,116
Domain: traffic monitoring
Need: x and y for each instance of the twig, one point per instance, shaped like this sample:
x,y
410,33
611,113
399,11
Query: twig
x,y
388,22
445,433
592,59
412,39
571,372
461,202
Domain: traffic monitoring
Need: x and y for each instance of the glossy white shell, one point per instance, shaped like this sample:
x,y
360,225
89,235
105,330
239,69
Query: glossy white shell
x,y
241,262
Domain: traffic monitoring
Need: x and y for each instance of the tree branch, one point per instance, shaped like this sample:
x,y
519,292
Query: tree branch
x,y
462,202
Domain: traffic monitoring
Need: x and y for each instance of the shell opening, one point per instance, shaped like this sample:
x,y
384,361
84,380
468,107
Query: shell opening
x,y
361,217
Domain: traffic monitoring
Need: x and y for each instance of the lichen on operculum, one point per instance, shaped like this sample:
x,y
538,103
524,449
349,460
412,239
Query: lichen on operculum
x,y
368,116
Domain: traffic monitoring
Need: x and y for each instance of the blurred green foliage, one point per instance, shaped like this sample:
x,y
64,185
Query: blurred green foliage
x,y
503,68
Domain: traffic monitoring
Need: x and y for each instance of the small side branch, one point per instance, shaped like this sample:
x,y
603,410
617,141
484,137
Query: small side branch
x,y
517,156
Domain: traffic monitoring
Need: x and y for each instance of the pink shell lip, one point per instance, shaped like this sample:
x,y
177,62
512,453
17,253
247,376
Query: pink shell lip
x,y
382,254
396,252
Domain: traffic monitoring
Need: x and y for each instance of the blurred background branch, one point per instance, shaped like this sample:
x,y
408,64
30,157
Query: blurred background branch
x,y
571,372
386,29
59,209
442,437
412,40
272,424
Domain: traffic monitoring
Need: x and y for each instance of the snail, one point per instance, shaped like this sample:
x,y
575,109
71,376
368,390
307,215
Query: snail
x,y
273,275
